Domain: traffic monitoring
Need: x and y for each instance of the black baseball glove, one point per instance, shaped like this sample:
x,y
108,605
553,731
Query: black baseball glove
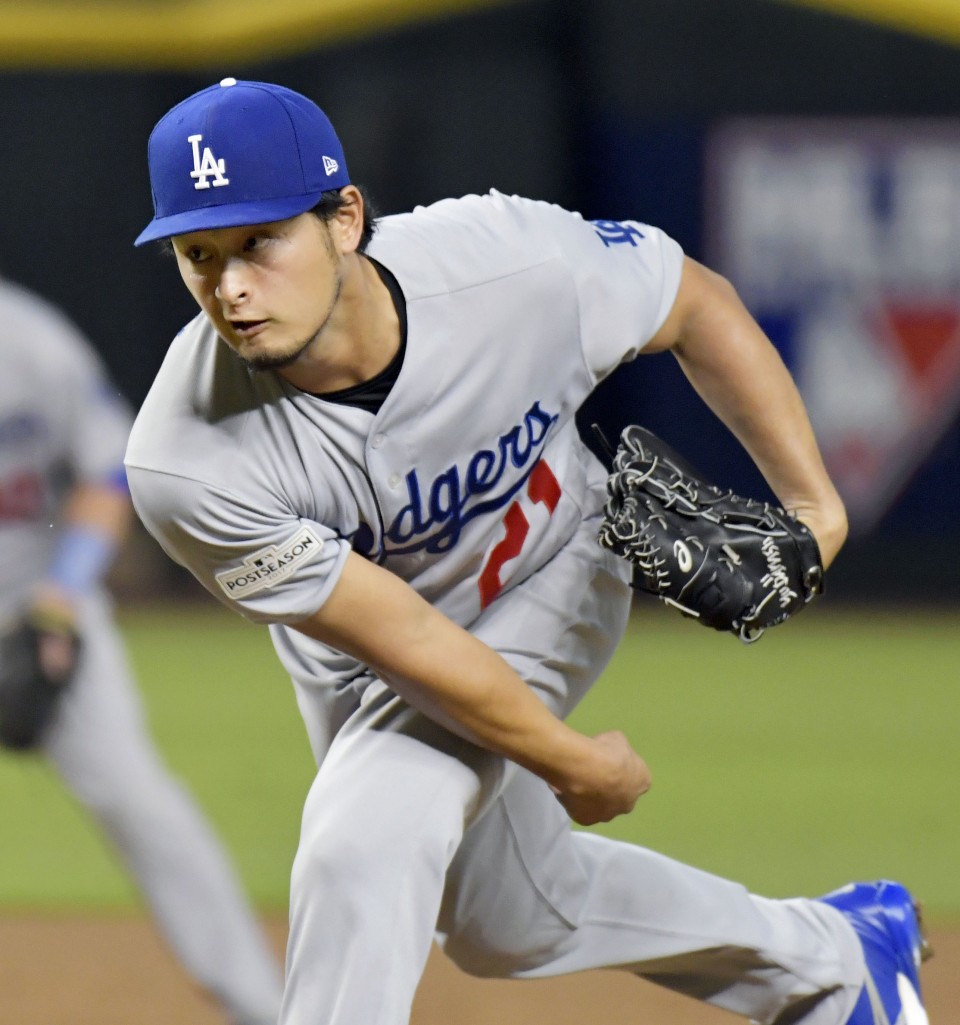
x,y
38,660
732,563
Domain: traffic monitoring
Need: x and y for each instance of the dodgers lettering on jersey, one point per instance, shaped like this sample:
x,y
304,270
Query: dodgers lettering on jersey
x,y
451,497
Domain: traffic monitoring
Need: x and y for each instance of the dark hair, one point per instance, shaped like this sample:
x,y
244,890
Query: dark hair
x,y
332,201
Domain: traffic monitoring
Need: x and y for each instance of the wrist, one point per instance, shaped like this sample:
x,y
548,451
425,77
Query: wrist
x,y
828,524
581,765
81,560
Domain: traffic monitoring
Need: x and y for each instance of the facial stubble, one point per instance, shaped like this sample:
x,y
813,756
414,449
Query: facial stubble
x,y
279,361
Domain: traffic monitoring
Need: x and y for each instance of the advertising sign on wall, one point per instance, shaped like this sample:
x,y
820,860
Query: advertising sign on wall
x,y
843,239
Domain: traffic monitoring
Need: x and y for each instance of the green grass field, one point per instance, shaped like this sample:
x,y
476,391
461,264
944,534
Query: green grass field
x,y
826,752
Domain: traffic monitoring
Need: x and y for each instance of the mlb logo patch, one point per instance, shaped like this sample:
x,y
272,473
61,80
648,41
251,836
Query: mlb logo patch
x,y
843,239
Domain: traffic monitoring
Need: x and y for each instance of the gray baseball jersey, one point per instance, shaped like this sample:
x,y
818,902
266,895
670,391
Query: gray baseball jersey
x,y
61,422
471,475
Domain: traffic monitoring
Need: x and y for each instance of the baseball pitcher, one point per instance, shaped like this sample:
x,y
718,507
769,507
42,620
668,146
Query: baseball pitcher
x,y
365,439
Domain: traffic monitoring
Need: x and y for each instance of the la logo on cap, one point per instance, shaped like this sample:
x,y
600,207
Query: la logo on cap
x,y
206,165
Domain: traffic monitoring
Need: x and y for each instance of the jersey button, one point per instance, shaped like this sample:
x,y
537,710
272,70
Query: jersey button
x,y
378,440
394,480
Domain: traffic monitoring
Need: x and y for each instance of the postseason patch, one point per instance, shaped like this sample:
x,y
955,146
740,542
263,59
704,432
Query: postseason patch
x,y
270,566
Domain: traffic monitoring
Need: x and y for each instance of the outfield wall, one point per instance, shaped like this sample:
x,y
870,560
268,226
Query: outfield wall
x,y
608,107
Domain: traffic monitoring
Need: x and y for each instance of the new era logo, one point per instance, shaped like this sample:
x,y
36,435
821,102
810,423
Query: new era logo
x,y
330,166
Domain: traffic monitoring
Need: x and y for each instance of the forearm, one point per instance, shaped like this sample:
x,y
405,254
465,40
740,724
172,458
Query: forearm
x,y
456,679
443,670
95,523
741,377
461,682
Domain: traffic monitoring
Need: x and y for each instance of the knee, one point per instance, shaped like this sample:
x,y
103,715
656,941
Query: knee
x,y
358,868
117,789
338,878
501,936
333,861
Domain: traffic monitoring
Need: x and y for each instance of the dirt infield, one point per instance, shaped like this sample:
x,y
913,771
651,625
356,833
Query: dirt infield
x,y
116,971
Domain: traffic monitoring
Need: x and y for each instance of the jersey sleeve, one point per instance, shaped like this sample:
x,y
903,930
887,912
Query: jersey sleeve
x,y
625,274
250,552
98,418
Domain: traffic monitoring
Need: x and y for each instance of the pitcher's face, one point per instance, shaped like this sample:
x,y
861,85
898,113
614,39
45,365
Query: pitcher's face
x,y
269,289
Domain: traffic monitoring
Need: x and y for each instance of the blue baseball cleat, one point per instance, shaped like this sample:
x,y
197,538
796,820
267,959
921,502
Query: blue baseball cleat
x,y
887,921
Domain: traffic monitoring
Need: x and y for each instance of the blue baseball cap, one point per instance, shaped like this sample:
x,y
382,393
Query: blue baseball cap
x,y
239,153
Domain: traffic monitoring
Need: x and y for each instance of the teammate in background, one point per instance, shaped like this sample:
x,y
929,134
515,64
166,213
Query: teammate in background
x,y
372,449
64,510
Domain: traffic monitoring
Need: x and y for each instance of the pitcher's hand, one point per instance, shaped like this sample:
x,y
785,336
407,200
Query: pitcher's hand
x,y
617,777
